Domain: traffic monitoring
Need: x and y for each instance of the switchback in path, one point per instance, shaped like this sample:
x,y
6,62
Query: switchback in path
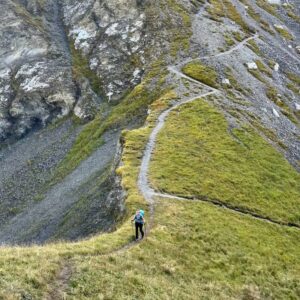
x,y
143,183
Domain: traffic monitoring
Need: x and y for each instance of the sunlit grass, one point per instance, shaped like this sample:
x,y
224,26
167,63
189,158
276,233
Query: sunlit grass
x,y
197,155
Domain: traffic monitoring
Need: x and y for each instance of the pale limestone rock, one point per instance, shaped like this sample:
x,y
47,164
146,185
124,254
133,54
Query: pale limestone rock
x,y
252,66
274,2
275,113
225,81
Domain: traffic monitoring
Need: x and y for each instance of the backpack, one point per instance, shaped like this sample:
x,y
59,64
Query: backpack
x,y
139,218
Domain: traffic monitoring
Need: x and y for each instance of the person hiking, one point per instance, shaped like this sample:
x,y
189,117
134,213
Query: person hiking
x,y
139,221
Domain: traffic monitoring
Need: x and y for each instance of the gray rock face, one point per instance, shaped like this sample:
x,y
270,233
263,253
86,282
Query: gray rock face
x,y
60,57
111,34
35,68
36,79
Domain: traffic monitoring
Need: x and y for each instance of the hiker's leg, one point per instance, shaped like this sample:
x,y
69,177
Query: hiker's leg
x,y
136,231
141,229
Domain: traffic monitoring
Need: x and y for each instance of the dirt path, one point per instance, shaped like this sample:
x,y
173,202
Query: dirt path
x,y
148,193
227,206
143,182
61,283
229,51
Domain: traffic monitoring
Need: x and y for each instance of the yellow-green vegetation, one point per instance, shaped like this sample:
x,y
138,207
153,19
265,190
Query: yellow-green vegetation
x,y
235,84
266,26
180,34
294,88
229,40
130,109
293,16
257,74
134,143
254,47
30,19
194,250
200,72
238,36
81,69
257,17
273,95
294,85
271,9
271,63
221,9
263,68
284,33
294,78
255,121
237,167
31,271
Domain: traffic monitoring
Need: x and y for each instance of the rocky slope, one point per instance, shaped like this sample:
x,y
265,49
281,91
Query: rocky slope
x,y
61,61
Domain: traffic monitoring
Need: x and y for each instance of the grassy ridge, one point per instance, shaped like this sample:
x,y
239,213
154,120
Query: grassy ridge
x,y
194,250
235,166
32,271
197,251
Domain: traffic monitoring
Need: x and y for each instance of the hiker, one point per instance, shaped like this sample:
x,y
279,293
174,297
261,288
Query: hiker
x,y
139,221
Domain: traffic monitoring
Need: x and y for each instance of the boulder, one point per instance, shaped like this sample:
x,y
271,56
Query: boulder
x,y
297,106
252,66
278,26
274,2
276,67
225,81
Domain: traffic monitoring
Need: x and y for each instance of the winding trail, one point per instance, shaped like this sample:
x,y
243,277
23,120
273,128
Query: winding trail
x,y
227,52
147,191
143,183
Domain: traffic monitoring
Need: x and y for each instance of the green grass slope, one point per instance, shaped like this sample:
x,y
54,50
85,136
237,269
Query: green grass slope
x,y
194,251
198,155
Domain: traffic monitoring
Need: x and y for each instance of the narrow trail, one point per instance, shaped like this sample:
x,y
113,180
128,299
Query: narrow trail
x,y
148,193
143,183
227,206
229,51
61,283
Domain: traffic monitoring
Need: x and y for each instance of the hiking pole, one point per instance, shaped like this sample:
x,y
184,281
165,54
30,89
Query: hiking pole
x,y
132,223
